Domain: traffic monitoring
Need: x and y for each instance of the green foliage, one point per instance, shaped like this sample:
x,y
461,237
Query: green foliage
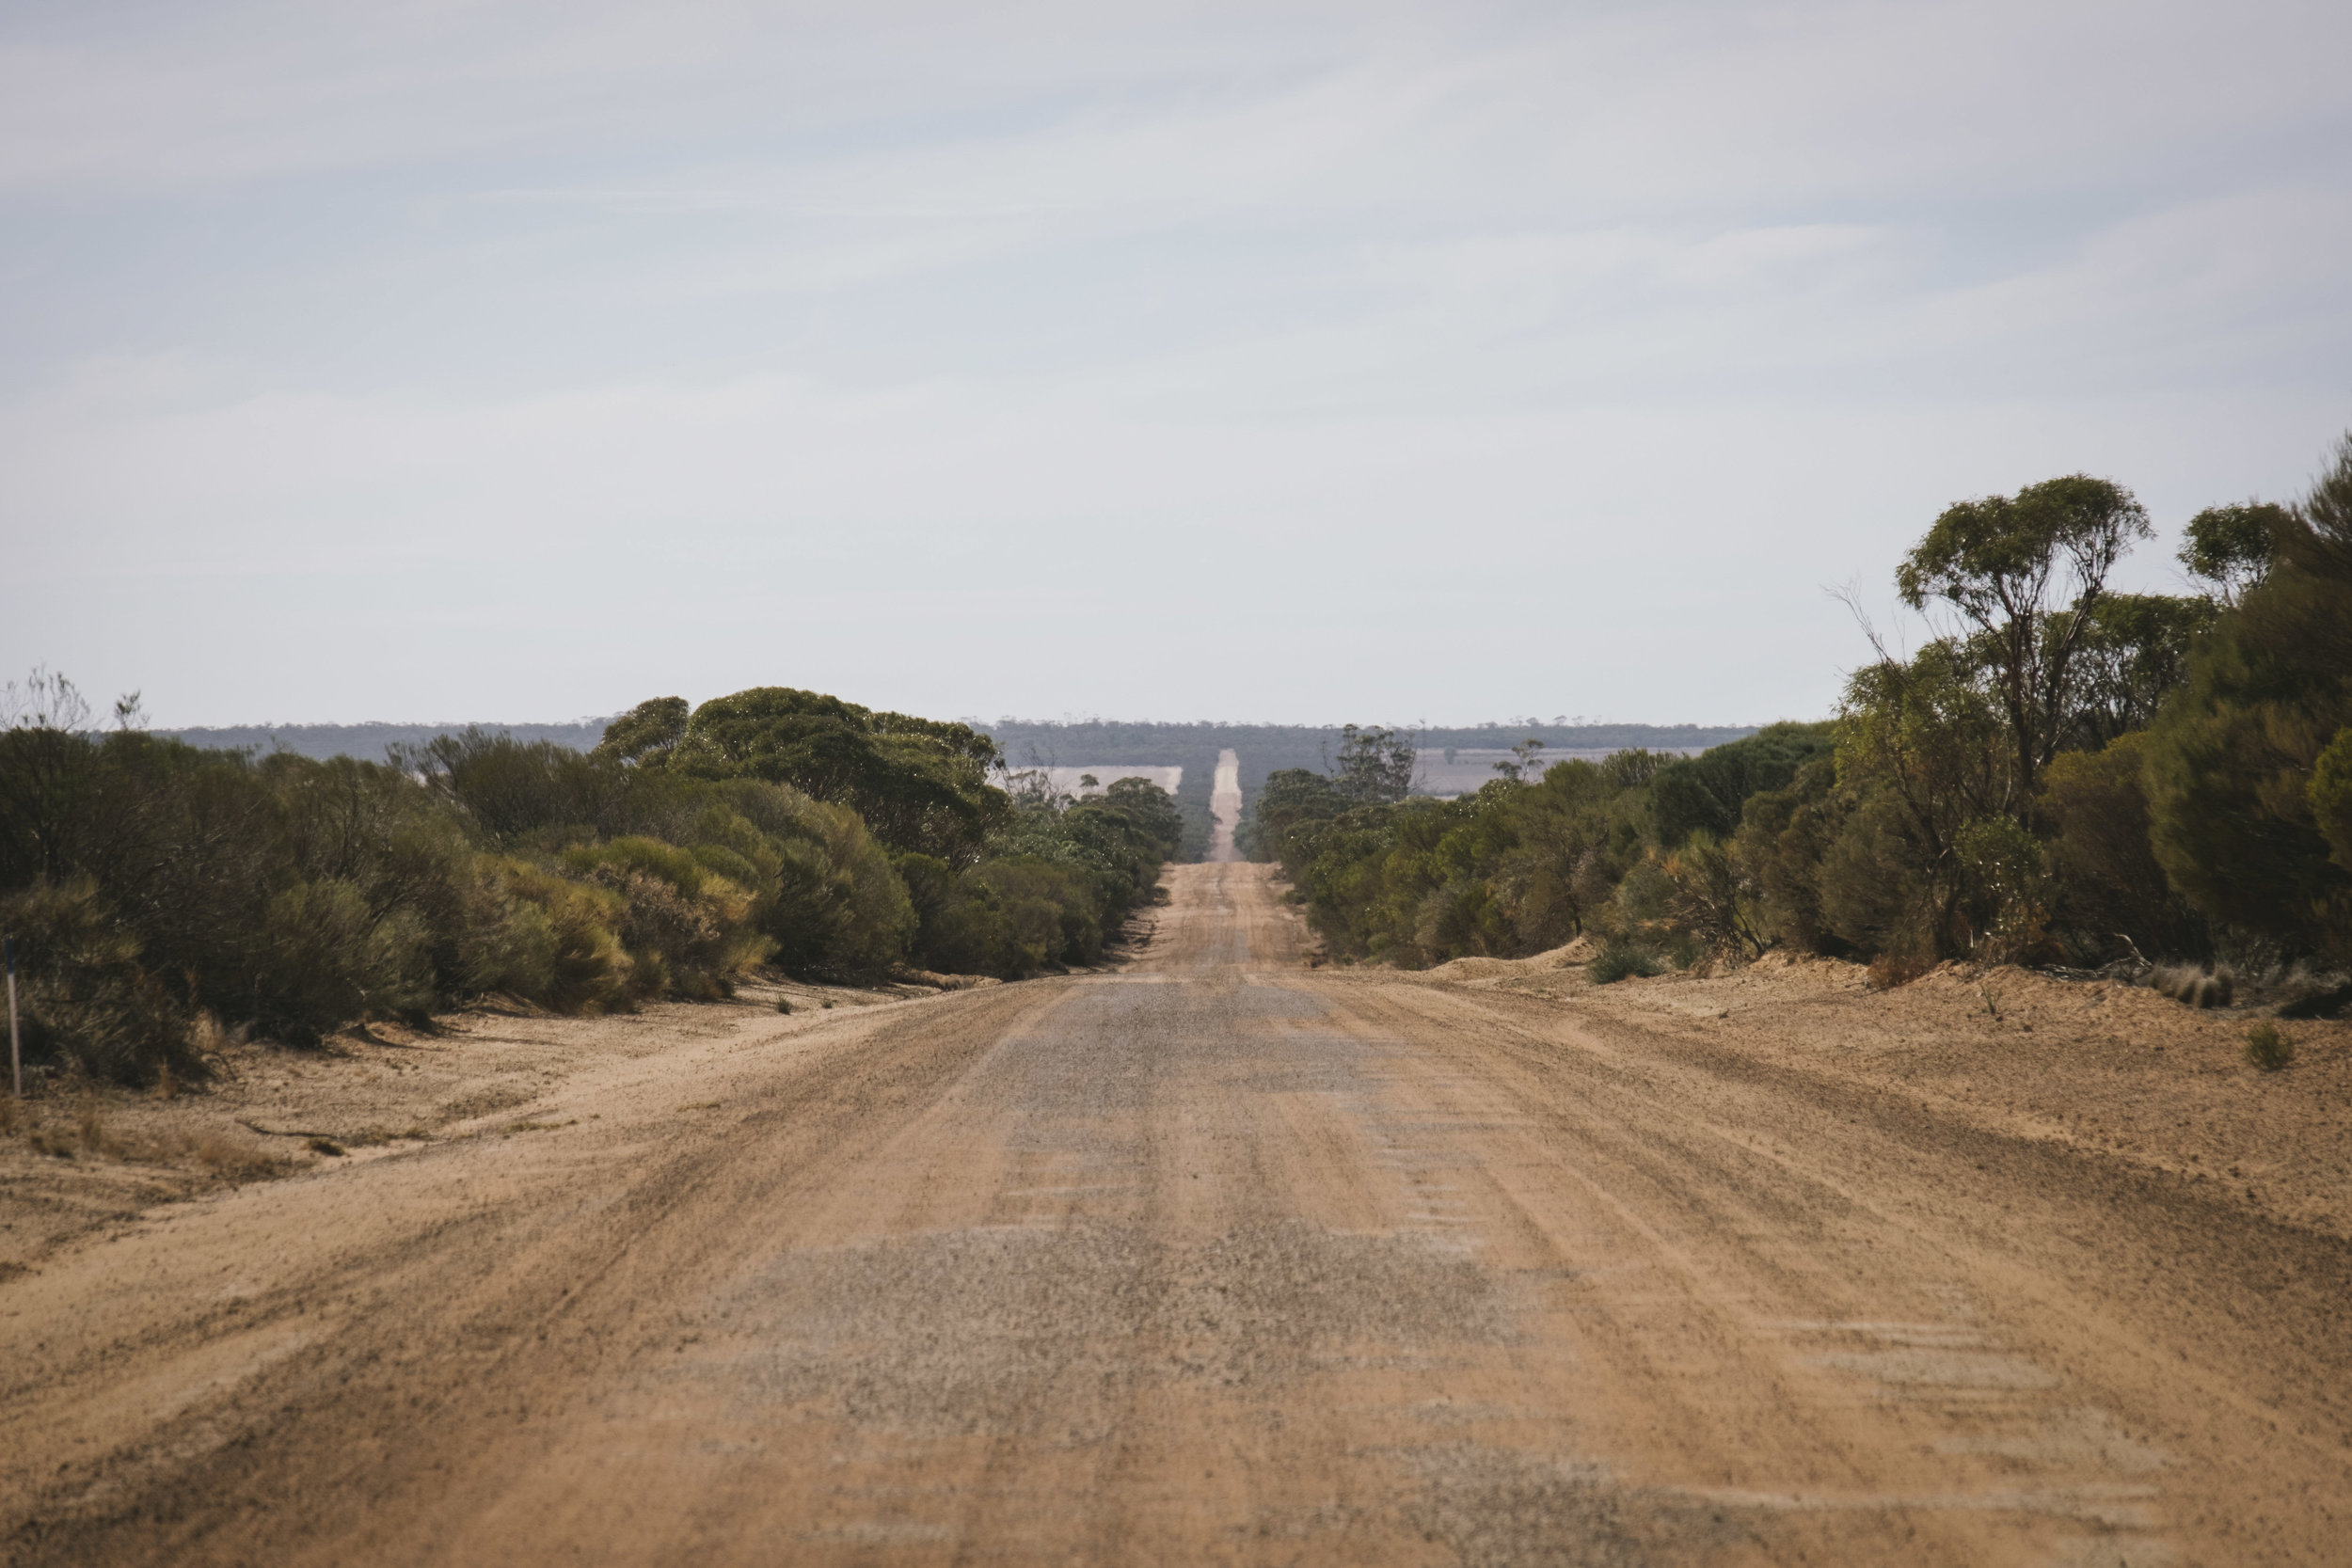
x,y
1622,958
920,784
2330,792
515,792
2231,761
1519,867
2133,656
838,909
2229,547
2081,778
148,880
1714,897
2008,889
1784,836
686,929
86,999
2266,1049
1706,793
2008,564
324,958
1375,766
552,940
646,733
1920,757
2113,898
1060,878
1292,798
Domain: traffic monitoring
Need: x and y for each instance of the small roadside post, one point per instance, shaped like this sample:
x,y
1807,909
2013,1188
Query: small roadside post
x,y
16,1054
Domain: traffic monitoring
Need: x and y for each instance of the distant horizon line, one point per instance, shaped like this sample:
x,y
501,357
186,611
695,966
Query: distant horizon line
x,y
593,719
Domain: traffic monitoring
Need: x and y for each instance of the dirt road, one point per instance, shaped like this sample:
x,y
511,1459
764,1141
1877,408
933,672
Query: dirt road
x,y
1224,806
1213,1260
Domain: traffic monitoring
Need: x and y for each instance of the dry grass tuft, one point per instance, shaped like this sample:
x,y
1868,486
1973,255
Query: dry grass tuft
x,y
46,1138
2193,987
1890,971
96,1136
232,1159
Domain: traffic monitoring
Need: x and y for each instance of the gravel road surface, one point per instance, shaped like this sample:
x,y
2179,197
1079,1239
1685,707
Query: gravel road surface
x,y
1214,1259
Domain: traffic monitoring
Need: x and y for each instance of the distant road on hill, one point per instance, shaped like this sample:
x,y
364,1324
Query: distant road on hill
x,y
1264,749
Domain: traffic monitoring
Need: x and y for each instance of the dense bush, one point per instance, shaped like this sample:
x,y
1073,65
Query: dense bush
x,y
1706,793
150,885
2232,762
2069,775
1062,874
920,785
85,994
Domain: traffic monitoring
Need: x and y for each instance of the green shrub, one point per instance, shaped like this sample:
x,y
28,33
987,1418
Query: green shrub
x,y
917,784
1707,793
1620,957
2232,759
2266,1049
2331,795
2112,892
556,941
687,929
325,958
84,1001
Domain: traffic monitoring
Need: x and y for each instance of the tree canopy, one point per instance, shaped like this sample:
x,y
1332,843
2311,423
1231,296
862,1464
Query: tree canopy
x,y
921,785
2008,564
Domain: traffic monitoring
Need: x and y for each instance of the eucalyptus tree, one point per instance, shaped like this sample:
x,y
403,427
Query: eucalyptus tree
x,y
2026,573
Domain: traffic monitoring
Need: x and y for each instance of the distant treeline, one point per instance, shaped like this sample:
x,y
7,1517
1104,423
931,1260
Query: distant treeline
x,y
1263,750
373,742
160,892
2065,775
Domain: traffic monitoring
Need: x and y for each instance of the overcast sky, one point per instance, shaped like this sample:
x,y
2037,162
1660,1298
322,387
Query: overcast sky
x,y
1267,361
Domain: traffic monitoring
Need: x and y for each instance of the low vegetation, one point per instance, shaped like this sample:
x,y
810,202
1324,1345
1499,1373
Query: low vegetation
x,y
2064,776
163,895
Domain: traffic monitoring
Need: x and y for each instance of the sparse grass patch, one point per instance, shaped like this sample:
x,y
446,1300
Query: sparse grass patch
x,y
96,1136
2266,1049
538,1126
370,1137
784,1003
231,1159
46,1138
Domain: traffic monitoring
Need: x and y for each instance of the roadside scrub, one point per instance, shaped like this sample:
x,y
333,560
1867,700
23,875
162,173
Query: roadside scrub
x,y
2154,787
164,899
